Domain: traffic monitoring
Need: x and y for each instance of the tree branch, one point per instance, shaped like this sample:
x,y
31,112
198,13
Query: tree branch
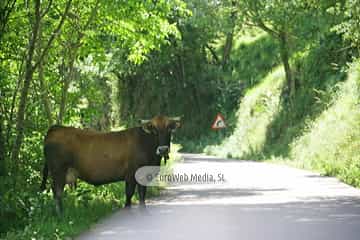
x,y
53,35
213,53
6,14
9,8
46,9
267,29
72,57
92,14
255,20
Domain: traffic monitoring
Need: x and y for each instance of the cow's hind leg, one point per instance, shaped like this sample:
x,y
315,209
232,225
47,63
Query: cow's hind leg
x,y
142,193
129,189
58,189
45,175
57,160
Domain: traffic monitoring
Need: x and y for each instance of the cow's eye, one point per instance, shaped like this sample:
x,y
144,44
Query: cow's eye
x,y
172,126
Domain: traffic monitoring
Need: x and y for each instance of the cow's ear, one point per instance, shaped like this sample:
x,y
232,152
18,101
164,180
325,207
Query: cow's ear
x,y
174,125
148,128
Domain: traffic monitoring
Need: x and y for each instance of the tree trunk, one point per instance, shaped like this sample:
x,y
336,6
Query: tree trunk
x,y
284,53
2,149
43,87
229,37
10,120
67,79
227,49
6,9
29,70
73,53
62,107
45,96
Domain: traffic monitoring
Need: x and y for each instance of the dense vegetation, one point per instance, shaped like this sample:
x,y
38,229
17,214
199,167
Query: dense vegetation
x,y
284,74
317,127
59,64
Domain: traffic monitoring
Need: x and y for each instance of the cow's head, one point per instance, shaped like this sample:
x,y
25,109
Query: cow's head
x,y
161,127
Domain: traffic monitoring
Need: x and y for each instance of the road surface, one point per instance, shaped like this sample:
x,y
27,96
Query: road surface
x,y
256,201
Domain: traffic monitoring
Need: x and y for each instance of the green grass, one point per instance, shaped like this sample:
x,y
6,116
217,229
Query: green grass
x,y
330,143
80,212
81,208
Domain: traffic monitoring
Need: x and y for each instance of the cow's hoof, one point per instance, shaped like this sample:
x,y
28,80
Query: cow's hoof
x,y
127,205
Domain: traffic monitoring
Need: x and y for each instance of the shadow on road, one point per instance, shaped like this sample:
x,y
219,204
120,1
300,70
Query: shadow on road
x,y
199,194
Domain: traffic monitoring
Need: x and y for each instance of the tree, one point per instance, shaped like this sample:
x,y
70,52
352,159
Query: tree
x,y
71,43
2,147
229,33
30,67
55,55
285,21
211,21
34,39
349,27
6,8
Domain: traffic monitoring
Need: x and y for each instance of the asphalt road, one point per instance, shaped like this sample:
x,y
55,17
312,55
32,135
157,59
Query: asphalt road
x,y
256,201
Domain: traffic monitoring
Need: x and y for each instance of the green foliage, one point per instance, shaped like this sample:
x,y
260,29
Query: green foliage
x,y
75,75
330,142
253,59
257,110
181,78
319,132
139,26
113,62
349,13
317,73
267,125
293,20
36,217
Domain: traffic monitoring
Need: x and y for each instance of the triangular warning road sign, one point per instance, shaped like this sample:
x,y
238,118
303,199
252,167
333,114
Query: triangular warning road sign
x,y
219,122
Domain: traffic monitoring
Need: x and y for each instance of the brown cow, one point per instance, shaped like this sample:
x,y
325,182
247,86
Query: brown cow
x,y
100,158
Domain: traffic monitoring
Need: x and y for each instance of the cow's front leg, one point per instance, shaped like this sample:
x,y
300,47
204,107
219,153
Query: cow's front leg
x,y
129,189
142,193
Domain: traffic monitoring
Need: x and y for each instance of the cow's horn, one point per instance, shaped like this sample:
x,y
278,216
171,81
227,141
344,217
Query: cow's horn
x,y
144,121
175,118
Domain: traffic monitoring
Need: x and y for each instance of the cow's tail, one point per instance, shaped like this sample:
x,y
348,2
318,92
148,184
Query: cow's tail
x,y
46,150
45,175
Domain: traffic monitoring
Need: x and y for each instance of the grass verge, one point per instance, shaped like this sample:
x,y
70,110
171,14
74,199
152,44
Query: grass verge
x,y
327,140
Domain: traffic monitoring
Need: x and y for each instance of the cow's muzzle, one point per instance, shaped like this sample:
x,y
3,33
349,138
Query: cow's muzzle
x,y
162,150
